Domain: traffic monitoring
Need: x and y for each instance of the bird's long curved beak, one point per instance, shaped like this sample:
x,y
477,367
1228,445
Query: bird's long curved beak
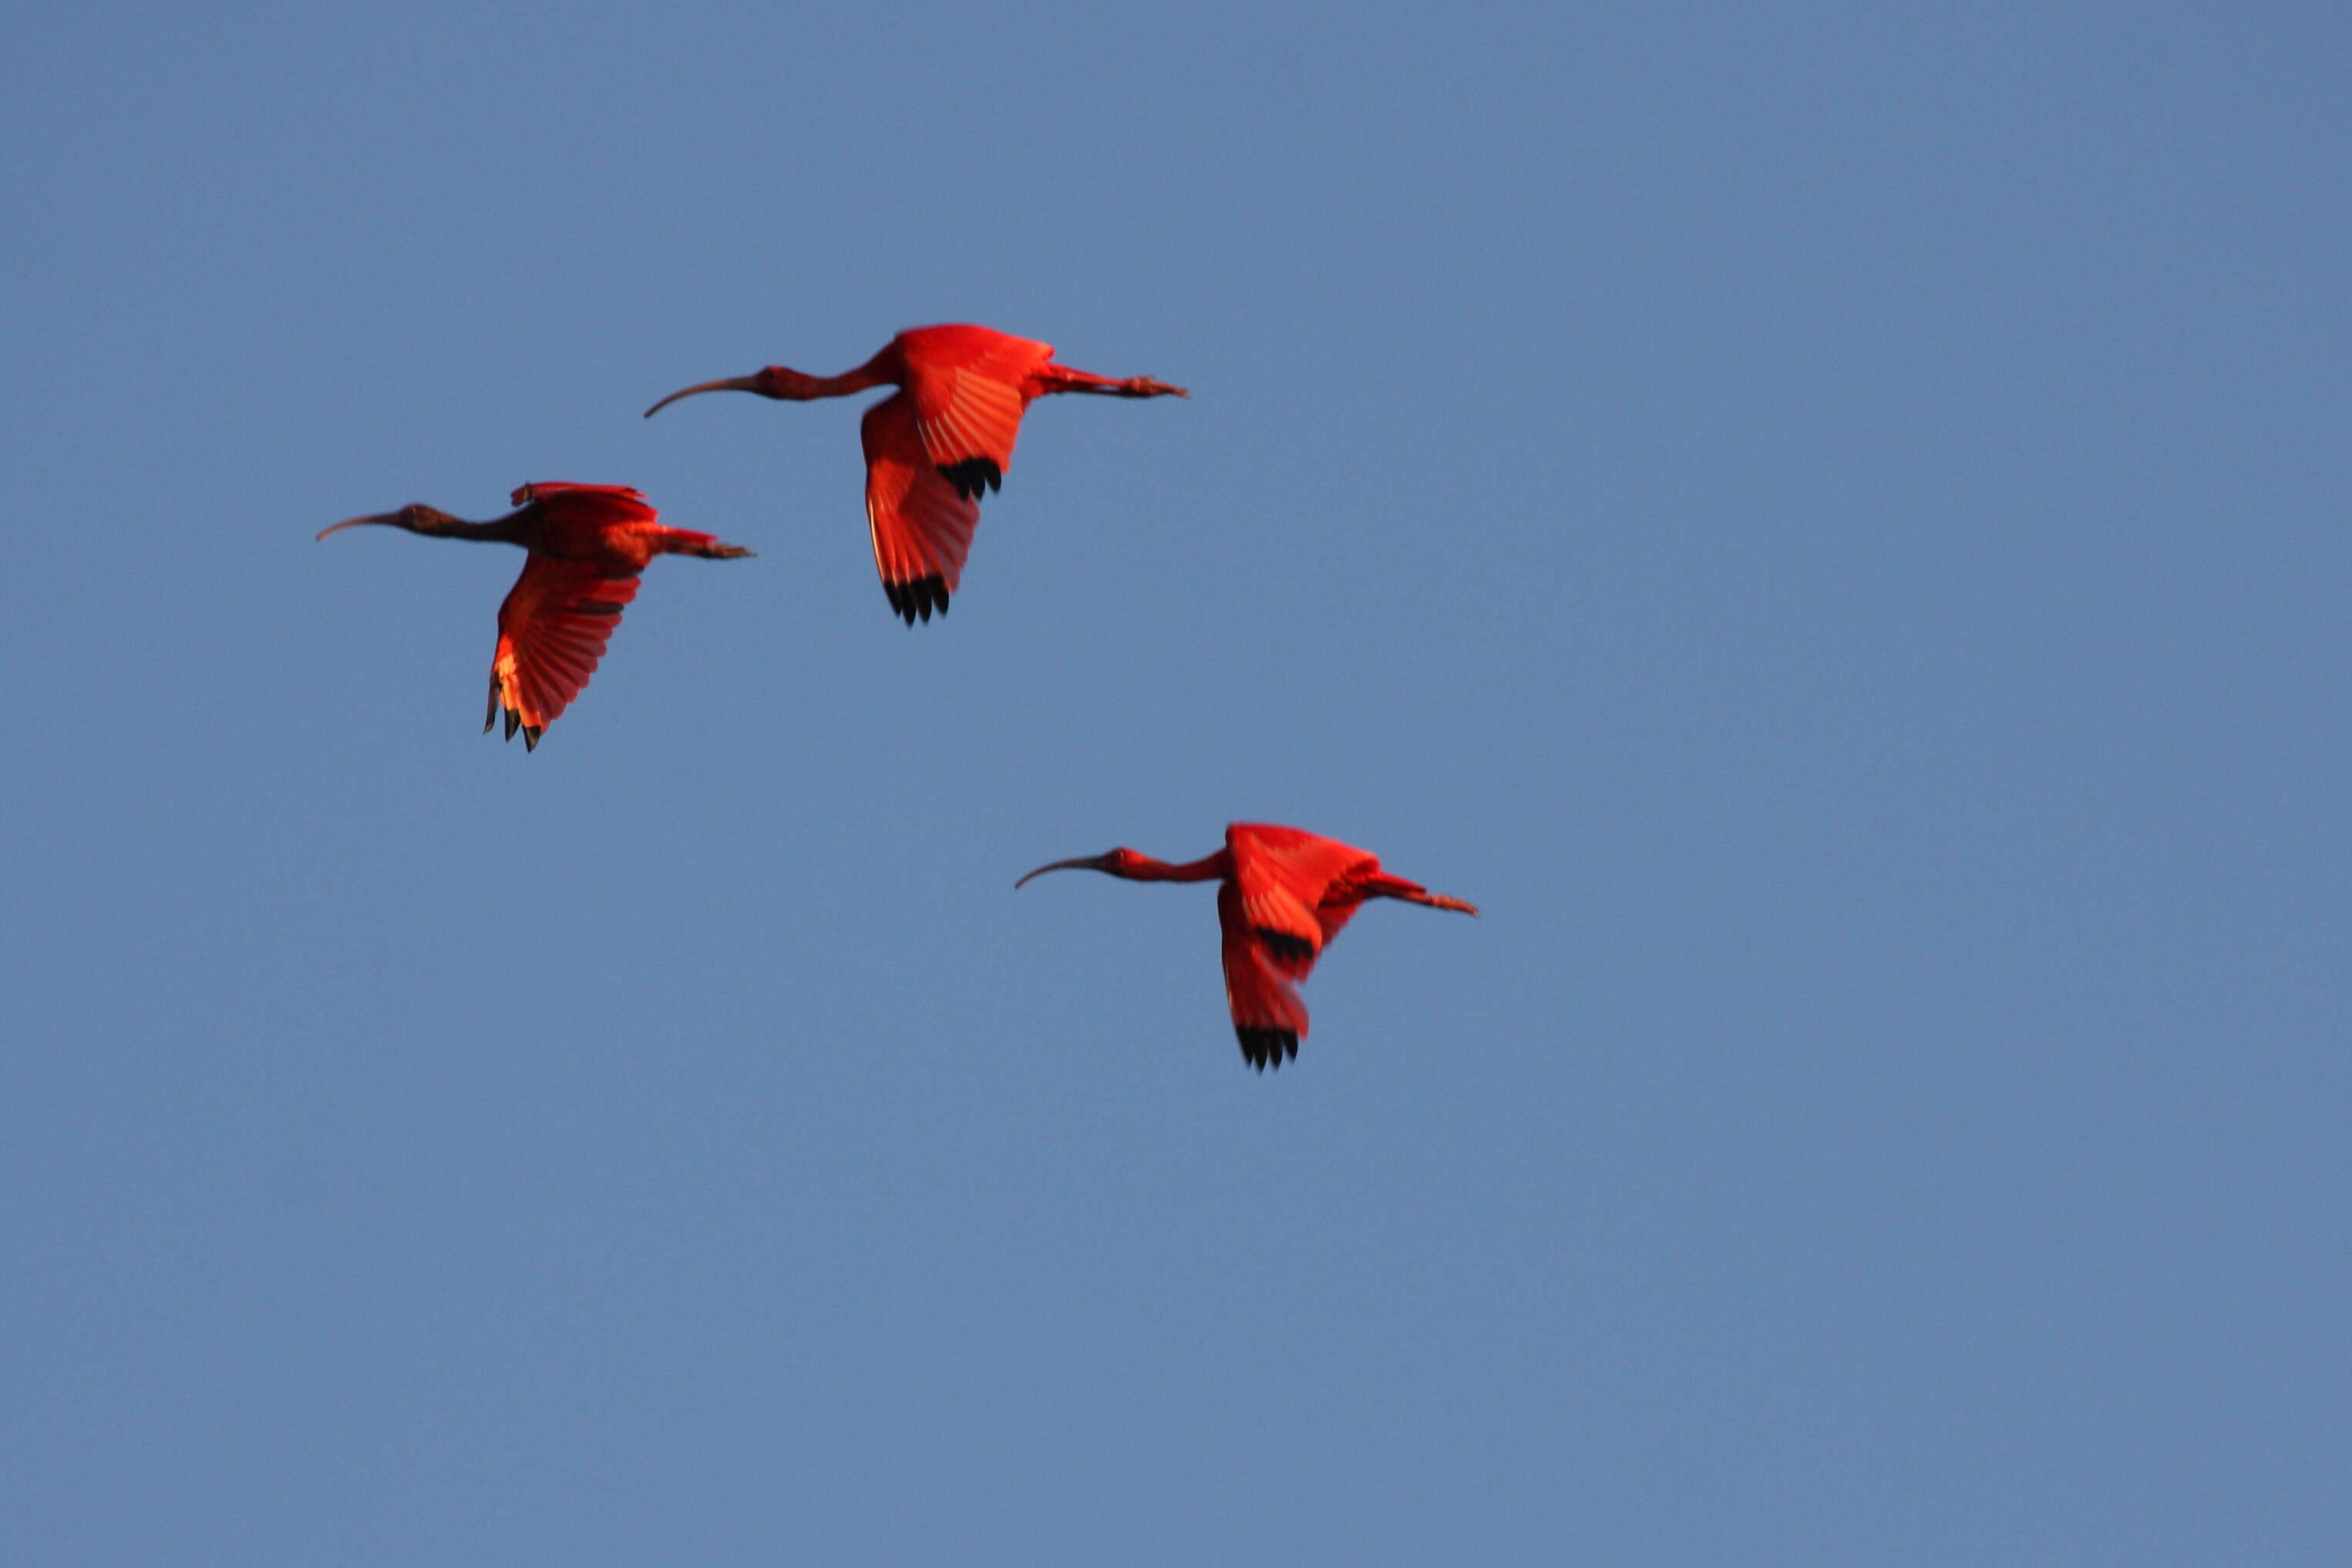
x,y
727,384
381,517
1084,863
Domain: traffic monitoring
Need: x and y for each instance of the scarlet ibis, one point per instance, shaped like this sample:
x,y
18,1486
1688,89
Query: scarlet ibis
x,y
1284,895
937,443
587,544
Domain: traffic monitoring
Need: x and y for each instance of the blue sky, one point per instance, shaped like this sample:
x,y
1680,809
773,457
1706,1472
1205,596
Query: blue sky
x,y
1829,526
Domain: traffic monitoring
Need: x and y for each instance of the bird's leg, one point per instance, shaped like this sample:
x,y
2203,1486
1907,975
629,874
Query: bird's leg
x,y
1382,886
1062,378
1440,902
686,542
1144,386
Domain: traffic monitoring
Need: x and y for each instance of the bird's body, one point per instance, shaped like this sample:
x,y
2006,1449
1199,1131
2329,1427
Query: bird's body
x,y
936,445
1283,894
588,543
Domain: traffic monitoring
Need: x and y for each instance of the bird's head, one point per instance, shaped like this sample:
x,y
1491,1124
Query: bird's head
x,y
416,517
780,381
1119,862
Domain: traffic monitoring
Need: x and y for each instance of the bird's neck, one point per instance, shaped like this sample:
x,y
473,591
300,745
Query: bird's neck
x,y
882,370
1208,869
508,529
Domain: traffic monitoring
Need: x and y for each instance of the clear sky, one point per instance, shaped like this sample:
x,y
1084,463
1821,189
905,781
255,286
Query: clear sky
x,y
1832,528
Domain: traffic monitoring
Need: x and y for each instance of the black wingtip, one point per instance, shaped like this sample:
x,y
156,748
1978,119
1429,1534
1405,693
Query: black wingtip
x,y
1284,945
920,598
531,734
514,722
1263,1048
973,477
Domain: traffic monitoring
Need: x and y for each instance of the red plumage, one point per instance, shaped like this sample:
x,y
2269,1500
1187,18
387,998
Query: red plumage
x,y
588,544
938,444
1285,894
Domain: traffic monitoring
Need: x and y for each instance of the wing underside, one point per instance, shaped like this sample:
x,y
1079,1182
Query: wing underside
x,y
552,631
920,527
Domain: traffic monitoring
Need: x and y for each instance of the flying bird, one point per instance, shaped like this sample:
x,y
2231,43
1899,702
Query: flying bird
x,y
1285,894
934,445
587,544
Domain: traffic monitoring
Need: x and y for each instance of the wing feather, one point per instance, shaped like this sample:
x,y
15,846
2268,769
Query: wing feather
x,y
552,631
920,527
969,386
602,503
1269,1017
1283,875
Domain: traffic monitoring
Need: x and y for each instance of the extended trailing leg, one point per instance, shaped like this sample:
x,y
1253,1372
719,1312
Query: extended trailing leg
x,y
1062,378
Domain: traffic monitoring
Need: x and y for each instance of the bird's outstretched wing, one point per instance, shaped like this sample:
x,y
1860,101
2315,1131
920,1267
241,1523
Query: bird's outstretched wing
x,y
969,386
1283,876
1269,1017
921,528
553,630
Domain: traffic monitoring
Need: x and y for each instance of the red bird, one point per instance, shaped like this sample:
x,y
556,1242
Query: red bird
x,y
587,544
933,446
1285,896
